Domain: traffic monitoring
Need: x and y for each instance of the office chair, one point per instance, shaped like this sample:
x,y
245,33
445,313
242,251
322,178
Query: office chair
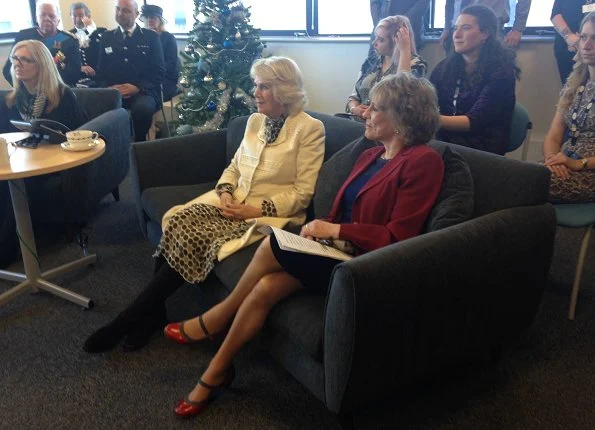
x,y
520,130
577,215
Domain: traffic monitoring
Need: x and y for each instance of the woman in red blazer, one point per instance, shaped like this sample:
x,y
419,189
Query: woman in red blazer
x,y
386,198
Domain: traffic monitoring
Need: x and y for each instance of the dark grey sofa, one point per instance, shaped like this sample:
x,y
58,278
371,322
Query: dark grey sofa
x,y
401,313
71,195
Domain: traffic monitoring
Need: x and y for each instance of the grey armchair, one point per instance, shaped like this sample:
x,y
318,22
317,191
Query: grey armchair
x,y
71,196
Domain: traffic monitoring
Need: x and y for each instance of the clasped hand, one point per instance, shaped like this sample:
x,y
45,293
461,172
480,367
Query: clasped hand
x,y
237,211
561,165
319,229
127,90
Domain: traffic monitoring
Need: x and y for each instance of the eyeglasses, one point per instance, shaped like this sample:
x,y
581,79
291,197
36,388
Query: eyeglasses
x,y
21,60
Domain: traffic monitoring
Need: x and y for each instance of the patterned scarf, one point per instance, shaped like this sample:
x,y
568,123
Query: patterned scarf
x,y
30,106
273,128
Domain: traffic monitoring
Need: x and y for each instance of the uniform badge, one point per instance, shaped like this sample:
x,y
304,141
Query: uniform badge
x,y
108,50
57,45
59,59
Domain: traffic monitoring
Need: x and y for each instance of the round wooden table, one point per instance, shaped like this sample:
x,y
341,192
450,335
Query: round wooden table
x,y
24,163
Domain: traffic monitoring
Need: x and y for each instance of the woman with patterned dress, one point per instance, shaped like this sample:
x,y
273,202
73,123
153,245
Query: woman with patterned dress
x,y
395,49
270,180
569,146
476,84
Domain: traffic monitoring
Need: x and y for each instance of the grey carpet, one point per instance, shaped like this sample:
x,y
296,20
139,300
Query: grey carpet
x,y
547,380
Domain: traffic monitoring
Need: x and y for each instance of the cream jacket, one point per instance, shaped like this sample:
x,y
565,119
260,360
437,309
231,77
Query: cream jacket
x,y
284,172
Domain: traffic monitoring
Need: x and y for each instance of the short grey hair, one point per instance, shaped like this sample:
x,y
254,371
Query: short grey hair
x,y
286,81
53,3
411,104
134,3
80,5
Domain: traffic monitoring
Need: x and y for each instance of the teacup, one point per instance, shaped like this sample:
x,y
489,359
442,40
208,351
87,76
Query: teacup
x,y
6,151
78,138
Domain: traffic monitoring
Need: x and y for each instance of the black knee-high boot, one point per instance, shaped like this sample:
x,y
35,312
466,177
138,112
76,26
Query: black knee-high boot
x,y
147,310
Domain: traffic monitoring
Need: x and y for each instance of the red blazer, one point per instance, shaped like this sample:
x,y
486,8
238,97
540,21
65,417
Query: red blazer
x,y
395,203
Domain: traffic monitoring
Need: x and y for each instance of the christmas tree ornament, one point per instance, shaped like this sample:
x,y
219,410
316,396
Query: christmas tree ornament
x,y
189,49
207,78
221,85
211,106
238,35
184,81
210,46
227,44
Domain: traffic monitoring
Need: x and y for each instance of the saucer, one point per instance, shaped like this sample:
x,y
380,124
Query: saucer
x,y
67,147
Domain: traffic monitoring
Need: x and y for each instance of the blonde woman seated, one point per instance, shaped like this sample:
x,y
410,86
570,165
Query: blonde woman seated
x,y
569,146
395,49
270,180
386,199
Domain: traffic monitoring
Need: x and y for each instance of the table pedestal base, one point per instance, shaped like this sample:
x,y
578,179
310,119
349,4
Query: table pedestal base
x,y
32,278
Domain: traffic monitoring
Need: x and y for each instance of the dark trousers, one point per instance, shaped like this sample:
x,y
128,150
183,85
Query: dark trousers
x,y
564,58
142,107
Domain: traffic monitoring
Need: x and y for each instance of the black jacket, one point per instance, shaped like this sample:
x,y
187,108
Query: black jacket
x,y
90,53
63,42
137,60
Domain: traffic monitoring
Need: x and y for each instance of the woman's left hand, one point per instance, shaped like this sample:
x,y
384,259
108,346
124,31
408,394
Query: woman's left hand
x,y
319,229
402,40
241,211
560,159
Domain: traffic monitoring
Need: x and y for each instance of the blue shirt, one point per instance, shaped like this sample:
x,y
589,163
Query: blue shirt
x,y
355,187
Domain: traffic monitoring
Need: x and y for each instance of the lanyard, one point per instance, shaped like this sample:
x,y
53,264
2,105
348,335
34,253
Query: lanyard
x,y
455,97
575,121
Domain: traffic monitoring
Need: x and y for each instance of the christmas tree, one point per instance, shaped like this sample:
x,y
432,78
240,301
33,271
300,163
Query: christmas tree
x,y
216,72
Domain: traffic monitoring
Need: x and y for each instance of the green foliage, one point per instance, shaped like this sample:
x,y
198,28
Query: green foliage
x,y
216,72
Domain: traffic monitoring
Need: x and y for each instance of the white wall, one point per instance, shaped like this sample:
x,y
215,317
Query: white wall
x,y
330,68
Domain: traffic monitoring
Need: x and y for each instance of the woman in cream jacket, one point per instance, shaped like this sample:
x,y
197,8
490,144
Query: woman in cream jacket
x,y
270,180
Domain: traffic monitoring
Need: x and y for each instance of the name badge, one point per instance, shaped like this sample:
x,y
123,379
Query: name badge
x,y
108,50
589,8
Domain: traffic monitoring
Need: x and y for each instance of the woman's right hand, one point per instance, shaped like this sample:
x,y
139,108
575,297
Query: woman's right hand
x,y
402,41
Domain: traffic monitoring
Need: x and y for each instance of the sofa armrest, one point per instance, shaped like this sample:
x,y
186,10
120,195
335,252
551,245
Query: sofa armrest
x,y
403,312
84,186
181,160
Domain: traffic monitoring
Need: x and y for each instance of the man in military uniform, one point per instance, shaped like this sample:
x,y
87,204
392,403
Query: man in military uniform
x,y
131,61
63,46
89,36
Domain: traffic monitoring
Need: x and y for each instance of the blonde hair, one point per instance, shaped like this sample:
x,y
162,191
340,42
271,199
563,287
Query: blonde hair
x,y
392,24
49,82
580,73
411,104
285,77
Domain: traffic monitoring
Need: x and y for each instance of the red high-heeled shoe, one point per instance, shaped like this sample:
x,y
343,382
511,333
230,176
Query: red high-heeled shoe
x,y
175,331
189,408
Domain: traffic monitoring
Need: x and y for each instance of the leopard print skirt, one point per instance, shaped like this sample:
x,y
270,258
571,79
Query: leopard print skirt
x,y
580,187
193,238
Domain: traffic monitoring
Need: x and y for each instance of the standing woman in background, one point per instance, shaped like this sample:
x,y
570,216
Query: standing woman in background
x,y
395,49
566,18
569,146
476,84
152,17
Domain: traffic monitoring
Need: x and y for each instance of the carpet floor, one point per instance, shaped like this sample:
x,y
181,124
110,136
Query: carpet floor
x,y
547,380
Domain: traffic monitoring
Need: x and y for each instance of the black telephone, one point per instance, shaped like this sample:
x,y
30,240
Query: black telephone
x,y
41,129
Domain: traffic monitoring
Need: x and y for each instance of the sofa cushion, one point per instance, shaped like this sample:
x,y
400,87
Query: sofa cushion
x,y
455,201
333,174
156,201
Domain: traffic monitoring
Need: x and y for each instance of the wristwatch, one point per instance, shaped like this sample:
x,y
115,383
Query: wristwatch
x,y
584,164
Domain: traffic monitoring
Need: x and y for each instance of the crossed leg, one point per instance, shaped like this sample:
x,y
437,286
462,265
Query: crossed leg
x,y
249,319
218,317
